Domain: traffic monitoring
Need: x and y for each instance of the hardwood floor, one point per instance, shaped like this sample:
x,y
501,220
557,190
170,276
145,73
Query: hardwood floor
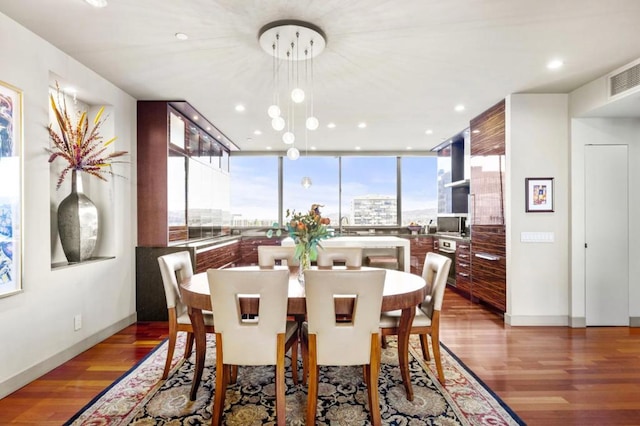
x,y
547,375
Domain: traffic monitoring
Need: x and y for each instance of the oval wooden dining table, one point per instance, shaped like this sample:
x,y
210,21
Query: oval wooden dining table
x,y
402,291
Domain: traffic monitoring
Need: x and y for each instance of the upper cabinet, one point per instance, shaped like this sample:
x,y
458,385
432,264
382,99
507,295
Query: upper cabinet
x,y
453,175
488,165
183,175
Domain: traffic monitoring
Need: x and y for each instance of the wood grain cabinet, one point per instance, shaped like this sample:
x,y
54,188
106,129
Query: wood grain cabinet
x,y
463,267
488,176
419,247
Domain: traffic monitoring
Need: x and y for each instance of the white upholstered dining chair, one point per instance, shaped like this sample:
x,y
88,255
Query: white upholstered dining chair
x,y
351,256
427,319
263,340
327,341
268,255
174,268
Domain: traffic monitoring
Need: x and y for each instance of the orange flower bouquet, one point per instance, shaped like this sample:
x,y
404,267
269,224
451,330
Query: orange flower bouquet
x,y
307,230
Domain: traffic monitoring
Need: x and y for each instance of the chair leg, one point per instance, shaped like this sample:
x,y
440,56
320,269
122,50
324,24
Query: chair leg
x,y
312,392
280,390
383,341
233,374
173,336
435,342
222,378
424,343
372,381
305,359
294,360
188,348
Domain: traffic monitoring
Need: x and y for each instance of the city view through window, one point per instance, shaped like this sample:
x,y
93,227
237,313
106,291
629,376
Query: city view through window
x,y
368,185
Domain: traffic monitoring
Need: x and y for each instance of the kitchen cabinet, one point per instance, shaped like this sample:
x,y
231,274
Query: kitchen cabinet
x,y
182,173
419,246
488,238
453,180
463,267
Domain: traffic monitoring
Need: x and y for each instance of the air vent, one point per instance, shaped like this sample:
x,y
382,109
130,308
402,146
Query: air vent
x,y
624,81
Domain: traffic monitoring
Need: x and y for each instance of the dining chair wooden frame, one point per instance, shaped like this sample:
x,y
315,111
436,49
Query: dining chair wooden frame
x,y
327,341
427,319
235,336
174,268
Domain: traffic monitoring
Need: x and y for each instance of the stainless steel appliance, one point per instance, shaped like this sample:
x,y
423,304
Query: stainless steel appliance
x,y
452,224
447,247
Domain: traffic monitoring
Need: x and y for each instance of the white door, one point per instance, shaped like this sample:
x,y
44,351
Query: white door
x,y
607,235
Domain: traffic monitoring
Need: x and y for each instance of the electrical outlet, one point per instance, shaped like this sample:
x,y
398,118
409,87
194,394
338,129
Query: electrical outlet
x,y
77,322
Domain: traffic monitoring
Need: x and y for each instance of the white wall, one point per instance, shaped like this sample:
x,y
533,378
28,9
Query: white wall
x,y
603,131
36,325
537,145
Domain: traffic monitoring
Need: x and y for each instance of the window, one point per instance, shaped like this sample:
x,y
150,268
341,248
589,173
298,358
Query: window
x,y
369,191
419,190
254,198
323,172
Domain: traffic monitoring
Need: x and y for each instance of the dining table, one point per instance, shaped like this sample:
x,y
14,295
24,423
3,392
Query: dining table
x,y
402,291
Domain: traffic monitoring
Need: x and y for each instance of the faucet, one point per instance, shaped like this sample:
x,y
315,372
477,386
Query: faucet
x,y
342,219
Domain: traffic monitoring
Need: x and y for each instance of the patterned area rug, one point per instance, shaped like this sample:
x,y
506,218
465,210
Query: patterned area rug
x,y
140,398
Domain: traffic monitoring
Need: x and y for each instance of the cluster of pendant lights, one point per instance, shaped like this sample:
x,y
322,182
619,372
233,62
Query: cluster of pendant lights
x,y
292,43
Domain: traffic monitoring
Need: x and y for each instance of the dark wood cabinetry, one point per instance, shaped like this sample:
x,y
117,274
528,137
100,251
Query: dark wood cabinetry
x,y
463,267
488,239
419,247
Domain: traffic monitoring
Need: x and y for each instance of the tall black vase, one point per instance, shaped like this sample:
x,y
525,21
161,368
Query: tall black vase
x,y
77,223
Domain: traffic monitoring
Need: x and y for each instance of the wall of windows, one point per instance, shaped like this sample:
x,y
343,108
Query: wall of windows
x,y
354,190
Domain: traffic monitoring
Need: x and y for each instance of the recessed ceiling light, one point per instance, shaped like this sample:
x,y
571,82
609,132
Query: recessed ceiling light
x,y
357,148
257,132
555,64
208,128
268,148
181,36
240,108
313,148
409,148
195,117
428,132
331,125
459,107
362,125
218,137
97,3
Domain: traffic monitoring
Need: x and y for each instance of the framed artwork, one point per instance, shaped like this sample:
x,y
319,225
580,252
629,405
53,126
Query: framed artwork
x,y
10,190
539,194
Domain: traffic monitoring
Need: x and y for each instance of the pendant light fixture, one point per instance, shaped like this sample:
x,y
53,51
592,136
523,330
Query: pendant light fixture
x,y
284,40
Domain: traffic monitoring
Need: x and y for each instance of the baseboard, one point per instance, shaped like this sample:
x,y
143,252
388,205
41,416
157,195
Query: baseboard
x,y
634,321
578,322
27,376
536,320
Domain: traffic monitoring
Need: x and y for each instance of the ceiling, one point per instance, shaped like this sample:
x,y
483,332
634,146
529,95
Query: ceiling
x,y
399,66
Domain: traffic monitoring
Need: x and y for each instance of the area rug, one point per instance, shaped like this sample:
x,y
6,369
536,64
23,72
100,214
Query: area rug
x,y
141,398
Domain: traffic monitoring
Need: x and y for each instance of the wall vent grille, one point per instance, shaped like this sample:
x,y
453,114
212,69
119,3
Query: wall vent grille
x,y
625,80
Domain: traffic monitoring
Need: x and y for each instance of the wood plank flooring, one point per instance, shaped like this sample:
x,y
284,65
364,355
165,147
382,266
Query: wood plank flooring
x,y
547,375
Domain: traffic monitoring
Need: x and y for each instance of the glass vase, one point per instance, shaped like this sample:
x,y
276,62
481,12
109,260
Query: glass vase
x,y
305,263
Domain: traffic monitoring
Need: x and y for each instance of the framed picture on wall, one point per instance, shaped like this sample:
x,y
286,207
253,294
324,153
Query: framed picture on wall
x,y
539,195
10,190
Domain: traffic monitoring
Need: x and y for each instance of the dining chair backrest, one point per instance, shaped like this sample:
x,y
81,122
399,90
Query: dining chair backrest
x,y
249,341
174,268
343,343
267,256
435,273
351,256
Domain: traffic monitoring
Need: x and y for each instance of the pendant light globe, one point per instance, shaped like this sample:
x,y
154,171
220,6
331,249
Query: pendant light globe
x,y
293,153
312,123
288,138
277,123
274,111
297,95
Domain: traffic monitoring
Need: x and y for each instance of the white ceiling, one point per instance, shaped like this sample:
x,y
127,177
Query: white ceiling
x,y
400,66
